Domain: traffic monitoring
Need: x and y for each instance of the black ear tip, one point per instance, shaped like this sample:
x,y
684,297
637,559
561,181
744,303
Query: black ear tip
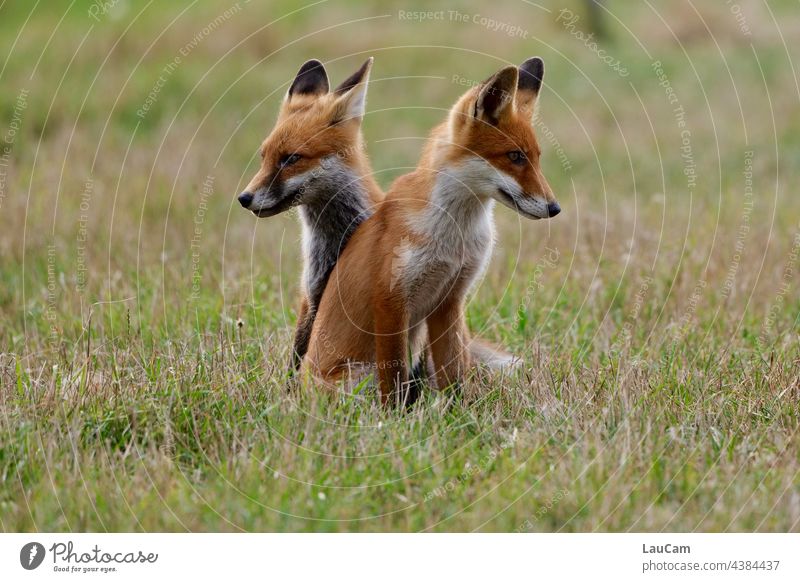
x,y
533,66
531,73
355,78
366,66
310,79
309,65
509,71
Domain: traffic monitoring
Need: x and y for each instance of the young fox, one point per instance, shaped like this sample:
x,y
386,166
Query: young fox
x,y
314,159
409,268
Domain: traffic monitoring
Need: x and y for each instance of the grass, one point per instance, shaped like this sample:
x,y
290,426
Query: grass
x,y
145,320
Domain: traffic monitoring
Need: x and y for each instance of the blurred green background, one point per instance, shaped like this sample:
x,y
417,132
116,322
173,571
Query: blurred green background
x,y
660,343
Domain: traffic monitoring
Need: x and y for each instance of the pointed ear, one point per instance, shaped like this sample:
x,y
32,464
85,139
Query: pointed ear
x,y
351,95
531,73
496,95
311,79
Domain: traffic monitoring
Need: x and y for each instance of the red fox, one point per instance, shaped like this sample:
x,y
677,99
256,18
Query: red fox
x,y
314,159
408,269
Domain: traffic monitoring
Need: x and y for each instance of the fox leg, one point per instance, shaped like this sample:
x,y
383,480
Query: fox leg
x,y
302,333
391,350
421,364
447,333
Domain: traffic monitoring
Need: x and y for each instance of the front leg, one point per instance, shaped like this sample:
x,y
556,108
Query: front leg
x,y
308,311
448,337
302,333
391,349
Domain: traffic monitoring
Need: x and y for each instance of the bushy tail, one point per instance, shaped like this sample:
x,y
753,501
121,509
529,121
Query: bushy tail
x,y
482,353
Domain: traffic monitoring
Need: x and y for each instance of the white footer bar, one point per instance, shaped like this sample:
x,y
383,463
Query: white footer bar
x,y
354,557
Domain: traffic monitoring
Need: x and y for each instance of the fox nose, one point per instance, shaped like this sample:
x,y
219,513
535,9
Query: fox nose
x,y
552,209
245,198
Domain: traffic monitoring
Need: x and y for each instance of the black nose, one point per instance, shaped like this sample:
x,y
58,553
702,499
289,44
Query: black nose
x,y
552,209
245,198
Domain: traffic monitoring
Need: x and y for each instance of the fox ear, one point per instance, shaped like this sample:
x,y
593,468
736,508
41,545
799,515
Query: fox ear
x,y
531,73
311,79
351,95
496,95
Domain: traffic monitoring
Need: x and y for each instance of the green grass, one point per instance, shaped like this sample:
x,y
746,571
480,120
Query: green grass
x,y
660,388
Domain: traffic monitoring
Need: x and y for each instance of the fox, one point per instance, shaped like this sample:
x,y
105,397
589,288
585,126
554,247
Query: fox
x,y
409,268
314,159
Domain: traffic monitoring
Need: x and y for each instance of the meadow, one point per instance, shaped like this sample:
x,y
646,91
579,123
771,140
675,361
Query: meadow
x,y
146,319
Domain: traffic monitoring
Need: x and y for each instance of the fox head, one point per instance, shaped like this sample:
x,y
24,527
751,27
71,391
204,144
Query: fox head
x,y
492,144
316,146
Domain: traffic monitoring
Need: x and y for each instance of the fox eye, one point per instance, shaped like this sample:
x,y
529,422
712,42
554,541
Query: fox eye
x,y
517,157
289,159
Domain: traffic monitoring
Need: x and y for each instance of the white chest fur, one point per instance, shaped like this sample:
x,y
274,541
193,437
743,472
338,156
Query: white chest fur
x,y
457,228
